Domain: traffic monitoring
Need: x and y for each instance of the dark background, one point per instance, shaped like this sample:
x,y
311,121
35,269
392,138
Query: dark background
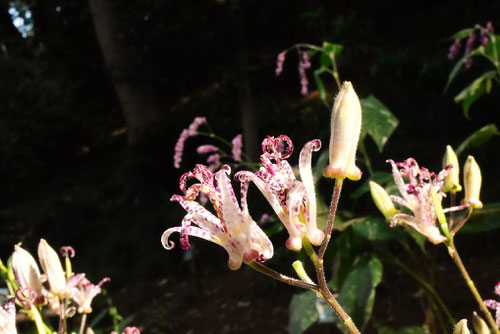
x,y
69,172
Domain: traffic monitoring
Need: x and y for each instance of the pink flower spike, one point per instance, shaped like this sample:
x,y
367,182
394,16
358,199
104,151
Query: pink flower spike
x,y
213,159
204,149
236,150
279,62
191,131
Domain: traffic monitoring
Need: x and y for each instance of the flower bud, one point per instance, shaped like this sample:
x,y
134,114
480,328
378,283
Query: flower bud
x,y
345,131
461,327
27,273
451,181
472,183
479,324
52,267
382,201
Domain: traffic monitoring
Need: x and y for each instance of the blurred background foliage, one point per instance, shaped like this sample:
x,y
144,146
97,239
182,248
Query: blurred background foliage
x,y
88,121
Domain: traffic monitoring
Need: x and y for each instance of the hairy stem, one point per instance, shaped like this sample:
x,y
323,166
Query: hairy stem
x,y
470,283
283,278
328,297
331,217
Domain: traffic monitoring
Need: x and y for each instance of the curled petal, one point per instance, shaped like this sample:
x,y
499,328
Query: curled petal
x,y
313,233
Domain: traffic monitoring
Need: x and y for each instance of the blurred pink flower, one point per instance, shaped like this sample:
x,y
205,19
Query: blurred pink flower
x,y
280,59
495,305
236,150
191,131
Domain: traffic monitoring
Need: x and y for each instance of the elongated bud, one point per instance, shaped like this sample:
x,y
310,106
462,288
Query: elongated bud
x,y
26,273
472,183
452,180
461,327
345,130
52,267
382,201
438,209
479,324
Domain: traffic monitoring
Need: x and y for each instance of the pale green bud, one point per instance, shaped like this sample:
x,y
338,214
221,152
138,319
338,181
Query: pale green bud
x,y
382,200
472,183
345,131
461,327
479,324
52,267
452,180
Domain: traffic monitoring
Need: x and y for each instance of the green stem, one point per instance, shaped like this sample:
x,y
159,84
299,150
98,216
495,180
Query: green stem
x,y
38,320
283,278
335,73
425,285
470,283
333,209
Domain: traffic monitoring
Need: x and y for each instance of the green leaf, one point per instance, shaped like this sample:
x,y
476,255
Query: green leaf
x,y
381,178
478,138
475,90
404,330
485,219
322,210
320,164
376,229
332,49
378,121
344,251
491,51
357,294
462,33
321,85
303,312
454,72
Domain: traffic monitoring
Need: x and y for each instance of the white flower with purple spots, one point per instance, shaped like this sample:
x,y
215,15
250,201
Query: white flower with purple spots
x,y
495,305
417,196
231,227
293,201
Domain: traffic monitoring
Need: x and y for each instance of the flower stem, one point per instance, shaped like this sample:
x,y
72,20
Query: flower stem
x,y
470,283
425,285
333,209
82,323
38,320
328,297
283,278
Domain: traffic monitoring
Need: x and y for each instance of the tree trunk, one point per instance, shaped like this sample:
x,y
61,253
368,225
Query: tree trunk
x,y
245,94
138,105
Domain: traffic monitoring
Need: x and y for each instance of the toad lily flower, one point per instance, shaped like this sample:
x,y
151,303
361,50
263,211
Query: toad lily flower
x,y
27,274
83,292
231,227
293,201
417,196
